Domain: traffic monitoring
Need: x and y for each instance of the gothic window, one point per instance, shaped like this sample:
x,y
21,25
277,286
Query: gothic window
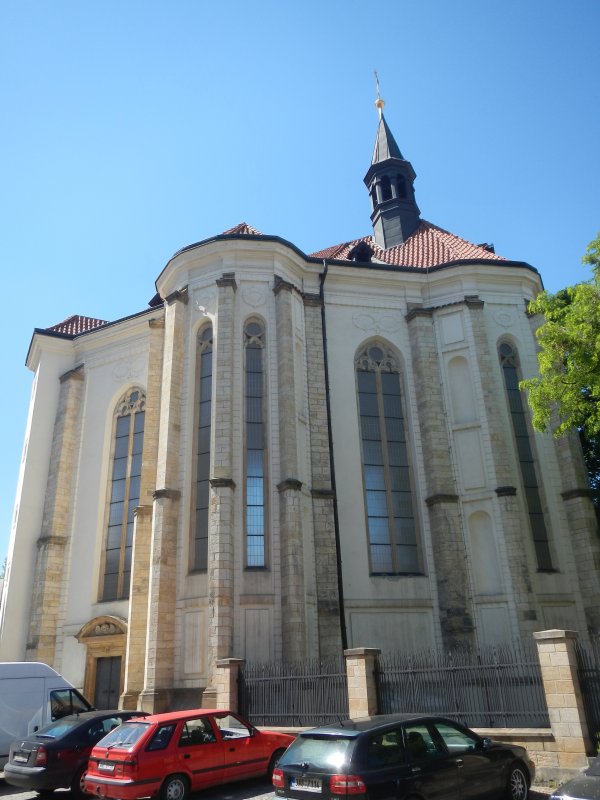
x,y
401,187
201,490
255,471
387,479
386,188
124,494
510,369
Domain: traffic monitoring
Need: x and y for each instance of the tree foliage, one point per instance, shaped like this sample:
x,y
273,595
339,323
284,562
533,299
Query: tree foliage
x,y
566,395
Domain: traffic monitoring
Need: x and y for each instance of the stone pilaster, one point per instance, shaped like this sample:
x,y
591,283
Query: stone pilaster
x,y
583,525
222,488
290,488
514,526
323,497
49,573
362,684
558,659
447,534
227,671
162,595
135,654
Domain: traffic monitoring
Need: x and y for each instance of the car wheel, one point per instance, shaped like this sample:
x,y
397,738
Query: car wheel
x,y
77,783
273,762
175,787
517,788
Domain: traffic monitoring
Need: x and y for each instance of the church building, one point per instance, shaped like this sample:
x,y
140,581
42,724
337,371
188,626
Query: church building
x,y
284,455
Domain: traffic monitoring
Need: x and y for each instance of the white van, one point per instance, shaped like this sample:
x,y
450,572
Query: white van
x,y
32,695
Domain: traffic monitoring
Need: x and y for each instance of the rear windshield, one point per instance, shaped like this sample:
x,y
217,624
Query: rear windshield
x,y
322,752
125,736
57,729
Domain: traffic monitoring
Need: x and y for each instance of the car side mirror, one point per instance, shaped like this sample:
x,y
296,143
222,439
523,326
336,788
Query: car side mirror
x,y
486,742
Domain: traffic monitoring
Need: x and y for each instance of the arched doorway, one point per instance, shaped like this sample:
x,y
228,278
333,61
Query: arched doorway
x,y
104,638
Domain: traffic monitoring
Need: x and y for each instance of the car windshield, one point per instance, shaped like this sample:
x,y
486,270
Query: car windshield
x,y
125,736
57,729
318,752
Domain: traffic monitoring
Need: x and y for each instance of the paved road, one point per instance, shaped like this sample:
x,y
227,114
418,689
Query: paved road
x,y
259,789
245,790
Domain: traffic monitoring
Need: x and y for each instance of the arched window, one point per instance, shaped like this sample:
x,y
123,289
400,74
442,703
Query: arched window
x,y
201,493
374,197
255,478
386,188
509,362
391,522
401,187
124,494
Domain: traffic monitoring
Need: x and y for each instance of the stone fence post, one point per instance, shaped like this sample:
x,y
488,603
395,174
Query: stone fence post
x,y
362,686
227,671
556,650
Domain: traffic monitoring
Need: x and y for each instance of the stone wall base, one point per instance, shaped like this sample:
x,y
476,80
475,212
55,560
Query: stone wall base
x,y
551,766
155,702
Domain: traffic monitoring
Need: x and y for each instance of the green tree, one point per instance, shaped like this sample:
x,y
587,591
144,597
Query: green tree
x,y
566,395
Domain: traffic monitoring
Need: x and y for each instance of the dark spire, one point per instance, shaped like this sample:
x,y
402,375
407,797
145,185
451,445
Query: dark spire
x,y
385,144
390,179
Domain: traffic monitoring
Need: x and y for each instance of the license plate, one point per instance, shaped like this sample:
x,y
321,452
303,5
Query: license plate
x,y
105,767
306,784
18,759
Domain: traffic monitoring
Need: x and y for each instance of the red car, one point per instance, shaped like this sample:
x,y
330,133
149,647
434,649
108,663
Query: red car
x,y
175,753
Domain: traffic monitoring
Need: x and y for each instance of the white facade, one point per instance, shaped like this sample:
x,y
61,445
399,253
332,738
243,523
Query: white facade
x,y
478,575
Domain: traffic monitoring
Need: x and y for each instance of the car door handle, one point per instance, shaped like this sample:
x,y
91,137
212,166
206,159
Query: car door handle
x,y
459,762
186,755
415,769
232,749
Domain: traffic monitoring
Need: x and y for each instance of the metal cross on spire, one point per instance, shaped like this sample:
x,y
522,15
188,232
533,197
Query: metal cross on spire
x,y
379,103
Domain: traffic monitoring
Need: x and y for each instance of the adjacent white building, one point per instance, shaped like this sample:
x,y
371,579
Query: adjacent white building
x,y
287,454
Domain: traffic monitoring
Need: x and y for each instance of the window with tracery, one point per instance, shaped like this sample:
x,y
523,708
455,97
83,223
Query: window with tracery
x,y
124,494
387,473
509,361
201,493
255,467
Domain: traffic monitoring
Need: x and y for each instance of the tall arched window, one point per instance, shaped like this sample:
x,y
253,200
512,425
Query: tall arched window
x,y
204,353
255,478
124,494
509,361
391,522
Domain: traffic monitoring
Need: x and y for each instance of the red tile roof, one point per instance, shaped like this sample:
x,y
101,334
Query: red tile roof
x,y
75,325
428,246
244,229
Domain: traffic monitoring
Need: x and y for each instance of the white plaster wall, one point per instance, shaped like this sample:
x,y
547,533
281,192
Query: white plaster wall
x,y
112,365
352,320
55,358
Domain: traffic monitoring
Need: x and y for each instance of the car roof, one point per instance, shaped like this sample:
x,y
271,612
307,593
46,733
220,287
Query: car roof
x,y
98,714
354,727
190,713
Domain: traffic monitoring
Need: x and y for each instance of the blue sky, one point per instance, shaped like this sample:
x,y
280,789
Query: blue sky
x,y
131,129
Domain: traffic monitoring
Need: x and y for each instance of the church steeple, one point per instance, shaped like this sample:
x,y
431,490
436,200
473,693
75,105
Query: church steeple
x,y
395,214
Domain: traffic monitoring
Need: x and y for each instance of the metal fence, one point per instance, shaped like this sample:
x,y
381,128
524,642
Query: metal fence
x,y
588,659
489,687
312,692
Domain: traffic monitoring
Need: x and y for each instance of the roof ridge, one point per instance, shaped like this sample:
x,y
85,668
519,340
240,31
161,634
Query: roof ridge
x,y
428,246
242,228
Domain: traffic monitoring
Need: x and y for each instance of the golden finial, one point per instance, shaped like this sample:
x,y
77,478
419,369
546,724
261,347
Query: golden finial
x,y
379,103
